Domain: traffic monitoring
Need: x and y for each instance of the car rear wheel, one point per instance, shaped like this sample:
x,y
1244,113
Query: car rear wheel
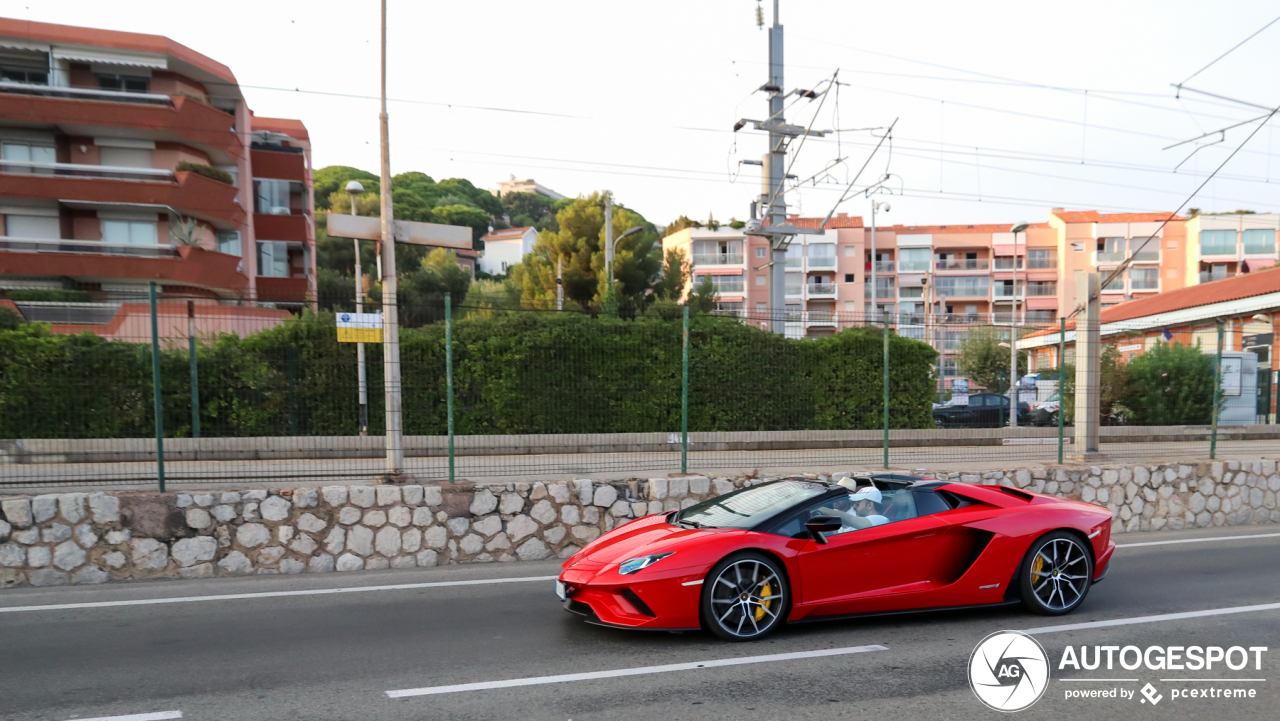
x,y
1056,574
745,597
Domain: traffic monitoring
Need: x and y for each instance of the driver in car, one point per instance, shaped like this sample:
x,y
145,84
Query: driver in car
x,y
857,510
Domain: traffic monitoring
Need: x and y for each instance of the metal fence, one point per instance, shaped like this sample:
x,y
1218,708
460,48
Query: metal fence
x,y
175,390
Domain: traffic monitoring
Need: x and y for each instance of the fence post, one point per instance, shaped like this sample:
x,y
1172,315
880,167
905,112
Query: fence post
x,y
1217,396
886,390
1062,381
195,376
155,387
684,396
293,416
448,371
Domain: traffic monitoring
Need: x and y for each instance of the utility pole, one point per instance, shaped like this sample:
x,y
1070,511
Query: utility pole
x,y
559,284
354,189
608,237
390,316
1013,333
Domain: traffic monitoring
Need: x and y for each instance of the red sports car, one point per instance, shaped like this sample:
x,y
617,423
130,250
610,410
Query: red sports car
x,y
795,550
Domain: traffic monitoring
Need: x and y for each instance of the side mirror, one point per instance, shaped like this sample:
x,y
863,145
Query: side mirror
x,y
819,525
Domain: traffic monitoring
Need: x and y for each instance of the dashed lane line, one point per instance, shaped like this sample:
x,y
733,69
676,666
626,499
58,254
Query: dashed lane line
x,y
156,716
1134,620
1198,540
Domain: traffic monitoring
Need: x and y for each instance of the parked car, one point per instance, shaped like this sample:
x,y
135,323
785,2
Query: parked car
x,y
985,410
1043,413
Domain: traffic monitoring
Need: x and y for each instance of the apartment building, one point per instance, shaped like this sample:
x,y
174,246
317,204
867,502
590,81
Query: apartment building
x,y
1229,244
1091,241
117,149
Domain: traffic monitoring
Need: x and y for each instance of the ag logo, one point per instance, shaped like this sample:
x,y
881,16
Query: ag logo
x,y
1008,671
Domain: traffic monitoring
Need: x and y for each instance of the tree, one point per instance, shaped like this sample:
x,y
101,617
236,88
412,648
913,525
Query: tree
x,y
422,291
9,320
984,362
1171,385
680,224
333,179
702,299
477,219
579,245
675,273
526,208
1114,385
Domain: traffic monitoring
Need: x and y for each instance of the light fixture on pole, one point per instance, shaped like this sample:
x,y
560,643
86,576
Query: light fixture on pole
x,y
609,255
354,190
1013,331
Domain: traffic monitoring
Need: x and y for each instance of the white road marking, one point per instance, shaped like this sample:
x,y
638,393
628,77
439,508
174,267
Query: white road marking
x,y
1155,619
639,671
1197,540
268,594
157,716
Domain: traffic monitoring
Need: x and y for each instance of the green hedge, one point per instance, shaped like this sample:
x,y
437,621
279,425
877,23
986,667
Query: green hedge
x,y
513,373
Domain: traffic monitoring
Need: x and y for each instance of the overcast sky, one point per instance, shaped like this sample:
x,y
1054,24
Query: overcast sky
x,y
993,121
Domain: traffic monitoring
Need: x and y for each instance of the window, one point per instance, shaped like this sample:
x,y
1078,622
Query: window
x,y
1217,242
1042,287
271,197
1078,247
504,266
1040,259
949,368
1039,316
867,507
18,152
229,242
762,252
851,251
126,83
1260,241
24,75
913,259
762,307
142,232
1171,245
1110,250
821,255
849,278
273,259
1144,248
746,508
35,227
969,286
1144,279
762,280
911,291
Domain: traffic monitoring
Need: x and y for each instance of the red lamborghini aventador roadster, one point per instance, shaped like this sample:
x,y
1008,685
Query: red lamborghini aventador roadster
x,y
796,550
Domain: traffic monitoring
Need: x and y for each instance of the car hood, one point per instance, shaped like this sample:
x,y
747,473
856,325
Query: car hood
x,y
639,538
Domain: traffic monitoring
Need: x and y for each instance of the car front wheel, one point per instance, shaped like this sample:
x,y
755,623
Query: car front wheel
x,y
745,597
1056,574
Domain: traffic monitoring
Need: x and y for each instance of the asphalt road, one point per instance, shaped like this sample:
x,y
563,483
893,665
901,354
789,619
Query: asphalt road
x,y
336,655
37,477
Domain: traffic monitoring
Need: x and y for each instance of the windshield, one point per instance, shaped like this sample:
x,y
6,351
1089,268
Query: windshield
x,y
749,506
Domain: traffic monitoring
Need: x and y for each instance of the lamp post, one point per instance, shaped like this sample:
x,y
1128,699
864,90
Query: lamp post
x,y
354,190
1013,332
609,240
875,292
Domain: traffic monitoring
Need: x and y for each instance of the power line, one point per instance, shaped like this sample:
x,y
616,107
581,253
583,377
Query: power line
x,y
1233,49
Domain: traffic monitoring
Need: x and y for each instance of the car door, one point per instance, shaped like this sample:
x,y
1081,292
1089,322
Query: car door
x,y
892,558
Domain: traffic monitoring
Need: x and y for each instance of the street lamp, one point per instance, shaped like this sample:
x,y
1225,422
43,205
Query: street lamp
x,y
609,255
354,190
1013,331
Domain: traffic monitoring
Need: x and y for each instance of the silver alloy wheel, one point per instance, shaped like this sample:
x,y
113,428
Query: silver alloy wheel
x,y
746,598
1060,569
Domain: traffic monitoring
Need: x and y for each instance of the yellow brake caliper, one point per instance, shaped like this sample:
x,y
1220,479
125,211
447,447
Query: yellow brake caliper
x,y
766,591
1037,566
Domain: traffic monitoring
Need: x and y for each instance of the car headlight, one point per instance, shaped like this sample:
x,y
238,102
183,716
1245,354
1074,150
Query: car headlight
x,y
631,565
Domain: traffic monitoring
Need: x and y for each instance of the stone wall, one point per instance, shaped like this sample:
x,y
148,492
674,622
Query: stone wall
x,y
83,538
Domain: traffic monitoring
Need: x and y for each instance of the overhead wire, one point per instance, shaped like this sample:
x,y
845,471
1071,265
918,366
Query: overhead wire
x,y
1232,50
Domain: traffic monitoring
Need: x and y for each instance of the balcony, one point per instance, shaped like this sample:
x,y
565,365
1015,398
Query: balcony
x,y
822,262
187,265
1001,291
1259,249
163,117
278,165
822,290
79,170
913,266
963,291
282,290
706,258
185,192
1036,290
795,291
881,266
1042,263
1102,257
280,227
820,317
881,292
965,264
1007,264
1206,276
1144,284
1147,256
86,247
796,262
